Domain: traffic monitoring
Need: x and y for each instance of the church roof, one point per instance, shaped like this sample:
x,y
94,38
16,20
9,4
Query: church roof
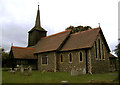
x,y
51,43
22,52
63,41
80,40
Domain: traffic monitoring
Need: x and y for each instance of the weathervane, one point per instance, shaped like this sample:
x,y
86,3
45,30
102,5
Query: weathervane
x,y
99,25
38,3
11,44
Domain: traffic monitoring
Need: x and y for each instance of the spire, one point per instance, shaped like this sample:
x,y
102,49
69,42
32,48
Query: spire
x,y
37,23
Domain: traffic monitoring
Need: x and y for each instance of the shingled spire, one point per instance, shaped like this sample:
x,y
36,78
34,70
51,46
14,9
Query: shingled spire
x,y
37,23
37,32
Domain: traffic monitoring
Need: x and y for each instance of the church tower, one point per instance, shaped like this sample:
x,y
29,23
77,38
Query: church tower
x,y
37,32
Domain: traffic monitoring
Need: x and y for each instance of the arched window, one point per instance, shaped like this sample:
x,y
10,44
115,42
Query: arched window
x,y
81,56
103,51
70,57
95,49
61,58
99,48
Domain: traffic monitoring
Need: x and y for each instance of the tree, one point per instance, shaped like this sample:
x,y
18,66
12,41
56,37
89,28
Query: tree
x,y
117,52
5,58
78,28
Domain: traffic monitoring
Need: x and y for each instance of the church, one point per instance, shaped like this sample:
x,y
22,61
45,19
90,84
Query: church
x,y
85,51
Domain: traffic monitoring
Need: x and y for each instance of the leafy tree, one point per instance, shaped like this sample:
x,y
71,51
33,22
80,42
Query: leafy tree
x,y
117,52
78,28
5,58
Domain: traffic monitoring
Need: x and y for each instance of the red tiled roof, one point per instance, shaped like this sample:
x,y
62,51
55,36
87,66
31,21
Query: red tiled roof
x,y
52,42
79,40
22,52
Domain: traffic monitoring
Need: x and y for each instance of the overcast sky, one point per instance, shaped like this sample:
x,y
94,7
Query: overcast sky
x,y
17,17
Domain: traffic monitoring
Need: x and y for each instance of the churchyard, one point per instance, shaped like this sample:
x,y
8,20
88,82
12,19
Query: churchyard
x,y
32,76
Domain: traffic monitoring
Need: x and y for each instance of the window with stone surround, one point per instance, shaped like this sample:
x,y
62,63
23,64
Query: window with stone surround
x,y
103,51
99,48
44,60
70,58
96,50
61,58
81,57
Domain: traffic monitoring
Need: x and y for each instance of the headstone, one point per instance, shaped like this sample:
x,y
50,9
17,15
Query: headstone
x,y
74,72
12,71
30,70
84,71
21,70
16,69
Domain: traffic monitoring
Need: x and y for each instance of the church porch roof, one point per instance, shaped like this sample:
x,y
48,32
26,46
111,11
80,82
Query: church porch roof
x,y
22,52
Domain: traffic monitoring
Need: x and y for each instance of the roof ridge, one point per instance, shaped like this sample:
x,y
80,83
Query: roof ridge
x,y
85,31
22,47
56,34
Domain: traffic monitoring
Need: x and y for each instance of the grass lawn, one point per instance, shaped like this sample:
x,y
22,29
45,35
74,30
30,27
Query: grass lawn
x,y
57,77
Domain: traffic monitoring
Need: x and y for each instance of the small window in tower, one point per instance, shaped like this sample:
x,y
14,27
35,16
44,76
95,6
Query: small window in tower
x,y
80,56
70,58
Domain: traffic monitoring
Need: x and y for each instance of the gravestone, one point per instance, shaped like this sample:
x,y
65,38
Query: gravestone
x,y
84,71
74,72
30,70
21,70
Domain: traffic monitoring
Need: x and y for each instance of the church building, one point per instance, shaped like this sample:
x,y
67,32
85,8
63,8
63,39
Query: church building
x,y
86,51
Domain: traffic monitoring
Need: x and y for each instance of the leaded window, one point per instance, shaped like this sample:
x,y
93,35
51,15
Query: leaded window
x,y
61,58
103,51
80,56
70,57
99,48
44,60
95,49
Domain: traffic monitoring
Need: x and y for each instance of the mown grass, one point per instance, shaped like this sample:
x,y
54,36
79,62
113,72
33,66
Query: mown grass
x,y
57,77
